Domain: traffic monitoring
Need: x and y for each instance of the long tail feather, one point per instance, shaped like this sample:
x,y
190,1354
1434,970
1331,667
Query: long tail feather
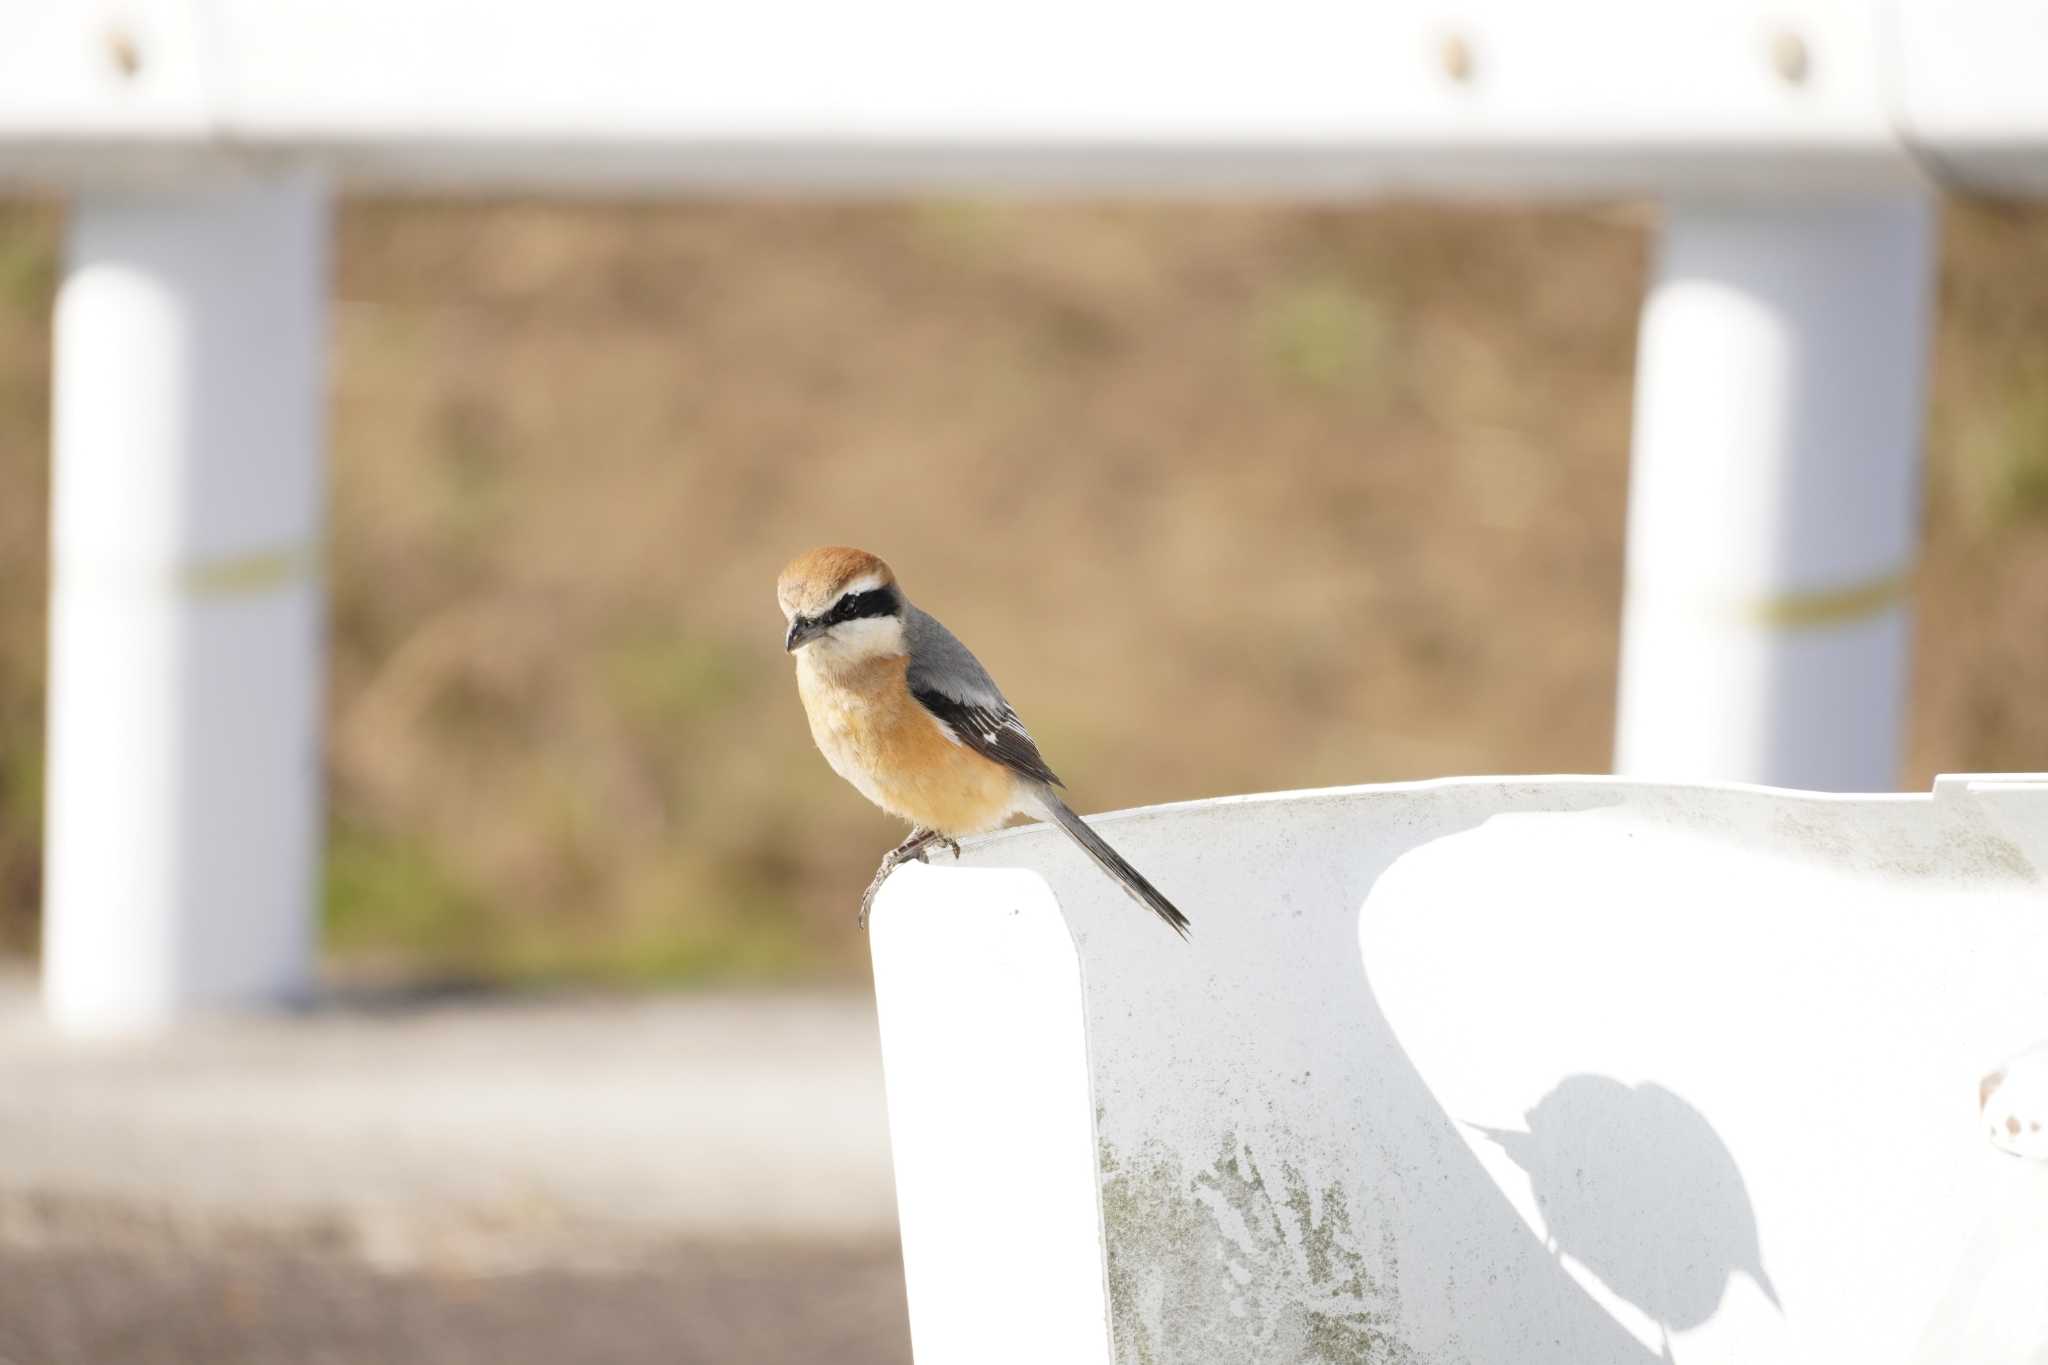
x,y
1110,861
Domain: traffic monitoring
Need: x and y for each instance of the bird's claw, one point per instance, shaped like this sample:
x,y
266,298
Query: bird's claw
x,y
867,897
915,847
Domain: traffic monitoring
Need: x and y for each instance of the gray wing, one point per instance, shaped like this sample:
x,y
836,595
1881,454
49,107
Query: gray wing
x,y
950,682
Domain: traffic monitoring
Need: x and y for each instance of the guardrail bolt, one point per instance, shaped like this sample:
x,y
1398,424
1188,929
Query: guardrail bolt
x,y
1789,57
124,52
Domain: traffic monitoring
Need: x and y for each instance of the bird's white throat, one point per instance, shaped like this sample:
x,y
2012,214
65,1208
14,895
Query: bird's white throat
x,y
851,643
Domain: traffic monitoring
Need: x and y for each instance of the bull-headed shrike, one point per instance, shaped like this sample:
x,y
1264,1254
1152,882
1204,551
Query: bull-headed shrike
x,y
904,712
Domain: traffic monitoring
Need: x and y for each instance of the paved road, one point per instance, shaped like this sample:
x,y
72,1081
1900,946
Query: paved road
x,y
469,1126
278,1306
445,1180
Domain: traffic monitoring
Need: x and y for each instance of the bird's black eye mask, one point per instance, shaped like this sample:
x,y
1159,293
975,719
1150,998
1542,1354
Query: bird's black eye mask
x,y
857,606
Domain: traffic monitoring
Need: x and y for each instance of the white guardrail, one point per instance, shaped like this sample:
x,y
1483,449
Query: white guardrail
x,y
1543,1071
1795,146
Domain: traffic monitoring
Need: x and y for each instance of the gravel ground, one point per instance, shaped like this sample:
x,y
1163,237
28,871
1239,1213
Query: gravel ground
x,y
82,1305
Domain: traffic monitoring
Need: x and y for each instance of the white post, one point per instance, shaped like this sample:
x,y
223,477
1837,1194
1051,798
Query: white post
x,y
185,617
1774,496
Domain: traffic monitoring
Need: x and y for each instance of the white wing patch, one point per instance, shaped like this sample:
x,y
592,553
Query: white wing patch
x,y
982,726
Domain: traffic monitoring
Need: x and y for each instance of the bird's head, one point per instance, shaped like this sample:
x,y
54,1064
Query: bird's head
x,y
841,603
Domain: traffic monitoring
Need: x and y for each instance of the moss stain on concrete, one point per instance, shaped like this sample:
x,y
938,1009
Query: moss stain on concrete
x,y
1241,1261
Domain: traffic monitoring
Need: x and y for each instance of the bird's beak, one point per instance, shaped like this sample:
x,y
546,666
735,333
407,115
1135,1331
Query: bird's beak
x,y
802,631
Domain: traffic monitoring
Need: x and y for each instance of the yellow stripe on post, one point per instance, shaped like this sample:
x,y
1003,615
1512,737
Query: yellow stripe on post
x,y
1833,606
245,574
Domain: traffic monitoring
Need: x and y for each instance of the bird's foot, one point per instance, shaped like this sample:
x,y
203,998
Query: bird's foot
x,y
867,897
912,847
953,845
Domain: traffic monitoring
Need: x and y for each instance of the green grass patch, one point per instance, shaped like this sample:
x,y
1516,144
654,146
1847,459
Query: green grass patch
x,y
387,895
2001,474
388,899
1324,335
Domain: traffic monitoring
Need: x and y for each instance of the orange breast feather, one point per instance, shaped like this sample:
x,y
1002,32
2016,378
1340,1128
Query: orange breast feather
x,y
876,736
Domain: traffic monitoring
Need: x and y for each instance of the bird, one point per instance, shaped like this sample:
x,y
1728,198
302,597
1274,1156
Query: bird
x,y
905,713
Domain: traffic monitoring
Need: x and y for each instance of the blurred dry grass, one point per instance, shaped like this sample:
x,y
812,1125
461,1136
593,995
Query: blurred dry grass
x,y
1232,498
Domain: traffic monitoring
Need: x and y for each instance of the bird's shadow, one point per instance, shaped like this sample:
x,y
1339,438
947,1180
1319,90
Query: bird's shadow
x,y
1635,1185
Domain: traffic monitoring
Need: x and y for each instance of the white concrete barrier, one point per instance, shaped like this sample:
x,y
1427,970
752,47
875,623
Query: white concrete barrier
x,y
1572,1070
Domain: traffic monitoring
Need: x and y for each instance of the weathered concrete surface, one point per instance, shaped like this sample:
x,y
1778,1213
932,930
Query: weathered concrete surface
x,y
1576,1071
472,1132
